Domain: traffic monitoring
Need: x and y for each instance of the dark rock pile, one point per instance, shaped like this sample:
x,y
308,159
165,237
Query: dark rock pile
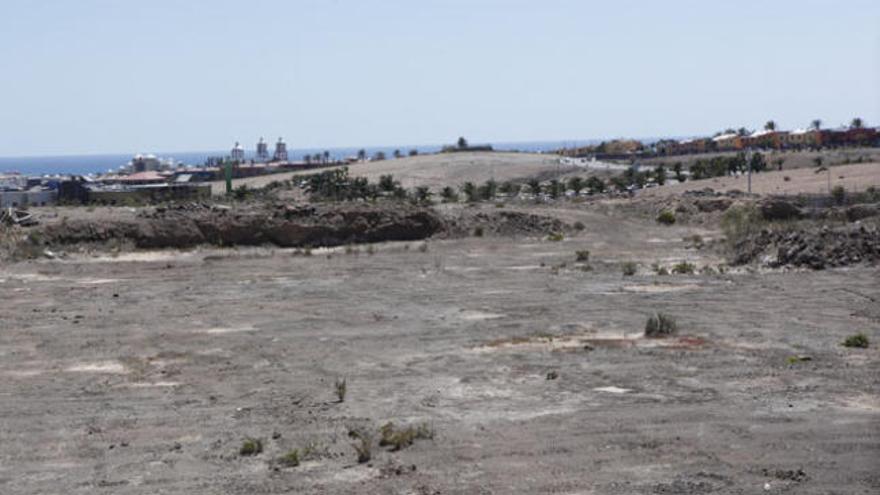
x,y
815,248
281,225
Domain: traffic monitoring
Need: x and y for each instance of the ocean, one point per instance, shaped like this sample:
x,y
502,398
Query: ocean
x,y
93,164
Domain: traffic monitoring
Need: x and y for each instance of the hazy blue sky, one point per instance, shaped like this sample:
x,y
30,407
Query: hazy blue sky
x,y
85,76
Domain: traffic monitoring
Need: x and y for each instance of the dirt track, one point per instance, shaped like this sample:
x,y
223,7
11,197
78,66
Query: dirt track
x,y
144,373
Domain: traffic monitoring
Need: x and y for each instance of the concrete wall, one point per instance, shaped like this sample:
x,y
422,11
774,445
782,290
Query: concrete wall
x,y
19,199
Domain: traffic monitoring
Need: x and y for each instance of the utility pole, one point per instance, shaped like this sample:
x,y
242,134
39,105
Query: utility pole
x,y
749,160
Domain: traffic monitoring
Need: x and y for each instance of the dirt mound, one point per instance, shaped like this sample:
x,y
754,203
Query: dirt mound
x,y
815,248
283,225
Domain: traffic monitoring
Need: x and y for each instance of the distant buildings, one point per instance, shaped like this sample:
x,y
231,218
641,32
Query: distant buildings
x,y
728,142
280,151
141,163
262,150
772,139
237,152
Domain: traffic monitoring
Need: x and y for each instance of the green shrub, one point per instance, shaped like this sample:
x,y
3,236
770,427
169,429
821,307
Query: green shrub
x,y
661,270
859,340
629,268
660,325
684,268
556,236
251,446
582,256
290,459
666,217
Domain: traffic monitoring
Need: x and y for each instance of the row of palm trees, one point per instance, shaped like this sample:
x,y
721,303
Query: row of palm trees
x,y
816,124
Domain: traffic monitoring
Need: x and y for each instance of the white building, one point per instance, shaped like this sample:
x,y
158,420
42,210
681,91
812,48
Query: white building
x,y
237,152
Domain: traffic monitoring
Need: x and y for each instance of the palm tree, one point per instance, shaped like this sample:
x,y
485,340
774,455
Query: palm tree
x,y
397,154
326,156
816,124
362,155
462,142
857,123
770,125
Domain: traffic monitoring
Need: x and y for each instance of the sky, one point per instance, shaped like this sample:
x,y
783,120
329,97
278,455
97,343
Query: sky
x,y
111,76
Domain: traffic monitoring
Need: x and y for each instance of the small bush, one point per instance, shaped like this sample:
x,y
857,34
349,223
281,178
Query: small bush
x,y
739,221
478,231
684,268
251,446
363,445
341,388
629,268
401,438
423,247
859,340
695,241
786,178
660,325
838,193
556,236
290,459
371,250
579,225
582,256
666,217
661,270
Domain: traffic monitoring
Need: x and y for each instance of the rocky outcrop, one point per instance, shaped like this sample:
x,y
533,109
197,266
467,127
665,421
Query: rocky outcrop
x,y
815,248
281,226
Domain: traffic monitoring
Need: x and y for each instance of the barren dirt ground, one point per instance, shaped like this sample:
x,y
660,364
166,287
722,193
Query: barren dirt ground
x,y
144,373
434,171
854,178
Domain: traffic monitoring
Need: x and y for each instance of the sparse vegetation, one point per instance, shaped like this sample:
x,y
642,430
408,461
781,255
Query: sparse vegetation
x,y
694,241
556,236
582,256
341,387
290,459
401,438
251,446
666,217
660,325
859,340
683,268
629,268
740,221
838,194
449,195
478,231
363,445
